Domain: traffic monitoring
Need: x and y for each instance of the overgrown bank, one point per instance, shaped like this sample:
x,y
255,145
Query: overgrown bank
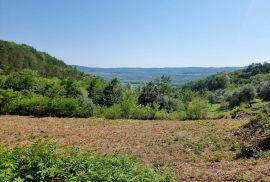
x,y
45,161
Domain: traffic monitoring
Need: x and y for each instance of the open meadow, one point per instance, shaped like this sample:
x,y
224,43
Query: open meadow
x,y
194,150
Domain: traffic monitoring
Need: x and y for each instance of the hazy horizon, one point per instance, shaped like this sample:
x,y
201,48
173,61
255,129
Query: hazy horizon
x,y
142,34
160,67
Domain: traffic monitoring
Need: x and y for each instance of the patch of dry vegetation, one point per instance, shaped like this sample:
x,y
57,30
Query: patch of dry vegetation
x,y
194,150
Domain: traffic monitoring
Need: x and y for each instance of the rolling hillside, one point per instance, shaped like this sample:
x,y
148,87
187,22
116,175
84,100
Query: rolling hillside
x,y
141,75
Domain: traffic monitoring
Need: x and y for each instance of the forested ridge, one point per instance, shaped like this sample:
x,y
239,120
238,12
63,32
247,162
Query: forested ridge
x,y
15,57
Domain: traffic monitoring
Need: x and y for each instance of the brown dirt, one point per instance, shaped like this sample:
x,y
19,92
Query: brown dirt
x,y
194,150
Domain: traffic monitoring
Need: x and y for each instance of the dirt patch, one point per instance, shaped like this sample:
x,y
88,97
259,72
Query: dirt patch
x,y
194,150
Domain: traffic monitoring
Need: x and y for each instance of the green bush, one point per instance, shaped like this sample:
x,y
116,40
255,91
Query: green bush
x,y
69,107
113,112
6,97
197,109
255,136
238,111
265,92
30,105
144,112
175,115
20,81
243,95
162,115
178,115
45,161
129,102
2,79
13,102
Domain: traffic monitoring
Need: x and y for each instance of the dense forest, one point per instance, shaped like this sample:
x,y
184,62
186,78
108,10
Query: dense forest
x,y
14,58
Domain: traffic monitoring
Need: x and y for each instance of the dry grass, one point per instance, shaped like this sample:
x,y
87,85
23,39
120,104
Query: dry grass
x,y
194,150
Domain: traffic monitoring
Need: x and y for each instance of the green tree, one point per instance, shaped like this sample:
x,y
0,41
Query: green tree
x,y
129,102
149,94
218,81
71,87
264,92
245,94
96,90
113,92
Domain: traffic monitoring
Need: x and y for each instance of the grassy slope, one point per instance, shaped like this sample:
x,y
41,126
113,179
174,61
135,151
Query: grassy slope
x,y
195,150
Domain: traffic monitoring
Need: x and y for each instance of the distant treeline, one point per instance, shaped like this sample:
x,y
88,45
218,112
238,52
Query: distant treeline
x,y
138,76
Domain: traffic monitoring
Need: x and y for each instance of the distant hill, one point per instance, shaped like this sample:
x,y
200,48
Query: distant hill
x,y
141,75
15,57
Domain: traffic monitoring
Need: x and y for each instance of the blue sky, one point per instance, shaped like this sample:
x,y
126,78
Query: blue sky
x,y
142,33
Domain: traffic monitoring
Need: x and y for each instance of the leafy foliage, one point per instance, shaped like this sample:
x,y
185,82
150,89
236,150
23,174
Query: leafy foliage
x,y
129,102
245,94
45,161
14,102
159,91
96,90
15,57
197,109
26,80
264,92
113,92
37,90
255,136
211,83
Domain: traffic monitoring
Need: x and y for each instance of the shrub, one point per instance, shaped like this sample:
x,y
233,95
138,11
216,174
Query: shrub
x,y
45,161
13,102
197,109
6,97
255,136
265,92
32,104
51,88
113,112
238,112
145,112
68,107
245,94
24,80
128,103
178,115
2,79
162,115
87,103
29,104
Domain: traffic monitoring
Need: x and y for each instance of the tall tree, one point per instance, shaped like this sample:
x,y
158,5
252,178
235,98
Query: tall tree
x,y
113,92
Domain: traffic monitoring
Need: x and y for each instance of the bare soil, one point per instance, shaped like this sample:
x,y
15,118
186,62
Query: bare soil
x,y
194,150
